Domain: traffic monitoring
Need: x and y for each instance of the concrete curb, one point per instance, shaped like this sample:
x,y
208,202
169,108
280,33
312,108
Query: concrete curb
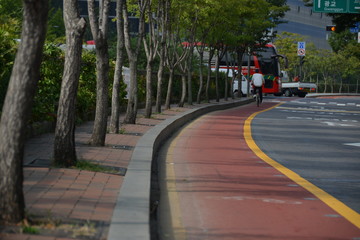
x,y
131,217
314,95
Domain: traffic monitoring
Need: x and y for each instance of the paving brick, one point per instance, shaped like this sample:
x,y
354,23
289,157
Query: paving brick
x,y
71,194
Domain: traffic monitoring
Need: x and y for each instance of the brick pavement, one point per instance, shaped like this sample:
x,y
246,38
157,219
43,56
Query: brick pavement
x,y
70,199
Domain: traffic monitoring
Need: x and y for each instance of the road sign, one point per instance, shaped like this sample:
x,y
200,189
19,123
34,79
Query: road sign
x,y
354,6
301,48
330,6
354,30
337,6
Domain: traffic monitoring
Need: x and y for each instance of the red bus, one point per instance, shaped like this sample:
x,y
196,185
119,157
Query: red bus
x,y
266,59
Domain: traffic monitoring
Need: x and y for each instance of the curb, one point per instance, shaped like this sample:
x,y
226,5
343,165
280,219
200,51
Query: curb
x,y
314,95
131,216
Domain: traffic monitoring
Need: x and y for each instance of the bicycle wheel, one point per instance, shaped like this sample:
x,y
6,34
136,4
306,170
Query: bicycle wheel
x,y
257,98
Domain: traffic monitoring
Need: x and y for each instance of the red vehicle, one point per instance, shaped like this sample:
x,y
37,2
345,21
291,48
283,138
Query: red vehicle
x,y
266,59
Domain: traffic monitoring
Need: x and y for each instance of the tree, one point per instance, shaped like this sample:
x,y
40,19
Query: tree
x,y
183,65
64,145
115,103
174,57
99,30
164,22
339,41
251,29
56,26
188,19
151,44
11,9
220,53
17,108
344,21
350,57
9,28
207,87
286,44
208,18
189,62
133,53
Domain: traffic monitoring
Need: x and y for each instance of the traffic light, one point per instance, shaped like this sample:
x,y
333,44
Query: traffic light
x,y
330,28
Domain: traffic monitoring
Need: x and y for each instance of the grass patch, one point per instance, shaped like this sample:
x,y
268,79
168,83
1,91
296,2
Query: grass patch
x,y
94,167
37,225
30,230
122,131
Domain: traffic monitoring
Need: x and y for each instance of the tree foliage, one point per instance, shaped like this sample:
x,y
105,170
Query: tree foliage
x,y
333,71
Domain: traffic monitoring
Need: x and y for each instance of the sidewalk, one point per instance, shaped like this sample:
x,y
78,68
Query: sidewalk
x,y
79,204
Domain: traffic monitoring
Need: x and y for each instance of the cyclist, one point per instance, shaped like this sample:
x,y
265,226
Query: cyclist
x,y
258,81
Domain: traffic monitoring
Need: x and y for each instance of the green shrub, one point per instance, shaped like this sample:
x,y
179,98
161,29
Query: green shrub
x,y
86,97
48,91
8,47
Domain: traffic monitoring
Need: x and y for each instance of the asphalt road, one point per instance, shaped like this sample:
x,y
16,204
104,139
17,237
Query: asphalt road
x,y
319,139
216,183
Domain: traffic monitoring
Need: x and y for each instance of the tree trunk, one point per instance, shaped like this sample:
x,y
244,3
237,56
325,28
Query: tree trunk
x,y
159,83
150,45
64,145
201,75
169,90
189,73
217,66
102,90
99,32
239,64
183,92
149,92
164,18
220,54
211,54
226,93
341,85
325,83
115,100
17,109
317,83
131,111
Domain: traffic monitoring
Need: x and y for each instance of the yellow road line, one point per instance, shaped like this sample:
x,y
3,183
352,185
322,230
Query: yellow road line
x,y
179,231
331,201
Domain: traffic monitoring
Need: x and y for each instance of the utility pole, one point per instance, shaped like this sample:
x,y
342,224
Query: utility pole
x,y
302,60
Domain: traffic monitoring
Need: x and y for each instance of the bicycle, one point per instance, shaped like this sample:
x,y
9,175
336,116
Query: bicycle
x,y
257,97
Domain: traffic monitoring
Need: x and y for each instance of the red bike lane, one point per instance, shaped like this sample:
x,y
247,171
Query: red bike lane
x,y
218,188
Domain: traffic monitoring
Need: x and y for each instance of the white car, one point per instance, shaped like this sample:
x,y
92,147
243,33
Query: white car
x,y
244,86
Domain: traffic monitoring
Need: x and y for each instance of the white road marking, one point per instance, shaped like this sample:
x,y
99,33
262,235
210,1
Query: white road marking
x,y
334,124
266,200
352,144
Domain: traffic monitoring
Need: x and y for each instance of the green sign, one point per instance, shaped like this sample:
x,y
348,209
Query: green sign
x,y
337,6
354,6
